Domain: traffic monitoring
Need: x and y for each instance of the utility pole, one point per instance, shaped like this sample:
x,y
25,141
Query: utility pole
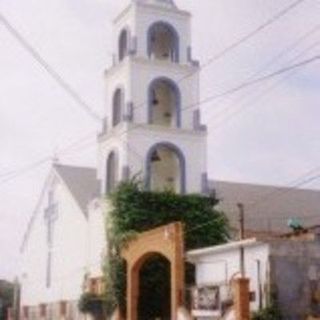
x,y
241,286
241,237
16,300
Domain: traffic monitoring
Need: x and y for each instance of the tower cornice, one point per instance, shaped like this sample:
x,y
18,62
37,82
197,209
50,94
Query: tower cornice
x,y
152,63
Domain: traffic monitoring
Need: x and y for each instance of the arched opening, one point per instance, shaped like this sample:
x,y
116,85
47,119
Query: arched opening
x,y
123,44
164,103
117,107
166,168
166,241
163,42
155,289
112,175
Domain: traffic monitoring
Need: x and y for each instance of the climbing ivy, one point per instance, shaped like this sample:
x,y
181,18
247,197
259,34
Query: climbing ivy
x,y
271,312
136,210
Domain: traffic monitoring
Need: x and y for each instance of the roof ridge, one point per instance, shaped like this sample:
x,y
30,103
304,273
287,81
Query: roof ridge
x,y
73,166
260,184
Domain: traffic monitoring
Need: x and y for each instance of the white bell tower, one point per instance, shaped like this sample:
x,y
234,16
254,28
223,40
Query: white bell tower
x,y
152,128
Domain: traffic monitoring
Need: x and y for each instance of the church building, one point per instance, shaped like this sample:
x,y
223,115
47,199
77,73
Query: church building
x,y
152,130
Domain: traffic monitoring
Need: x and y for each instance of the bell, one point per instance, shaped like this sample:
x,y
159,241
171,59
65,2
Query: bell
x,y
155,157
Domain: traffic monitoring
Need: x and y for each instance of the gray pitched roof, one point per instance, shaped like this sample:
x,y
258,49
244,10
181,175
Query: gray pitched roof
x,y
268,208
82,183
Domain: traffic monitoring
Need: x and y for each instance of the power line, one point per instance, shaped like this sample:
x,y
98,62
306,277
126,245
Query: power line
x,y
254,32
242,86
236,44
250,83
284,52
19,172
248,36
294,185
269,89
76,96
49,69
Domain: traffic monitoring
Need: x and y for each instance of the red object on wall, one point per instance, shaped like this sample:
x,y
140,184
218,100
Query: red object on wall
x,y
63,308
25,312
43,310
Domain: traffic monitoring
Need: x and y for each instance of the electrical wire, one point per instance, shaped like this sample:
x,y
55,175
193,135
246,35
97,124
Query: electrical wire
x,y
250,83
276,58
49,69
249,36
247,84
241,108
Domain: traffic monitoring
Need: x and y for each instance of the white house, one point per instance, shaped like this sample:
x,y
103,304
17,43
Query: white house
x,y
219,265
152,129
286,269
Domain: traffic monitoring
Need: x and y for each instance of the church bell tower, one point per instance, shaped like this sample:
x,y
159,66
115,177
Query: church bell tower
x,y
152,127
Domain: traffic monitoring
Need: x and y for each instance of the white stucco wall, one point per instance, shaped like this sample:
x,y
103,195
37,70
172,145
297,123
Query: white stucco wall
x,y
98,211
133,143
70,249
134,74
218,268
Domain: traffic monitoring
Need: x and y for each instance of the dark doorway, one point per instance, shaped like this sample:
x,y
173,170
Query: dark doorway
x,y
155,289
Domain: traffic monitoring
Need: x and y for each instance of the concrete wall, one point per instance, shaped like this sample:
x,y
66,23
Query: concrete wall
x,y
97,236
295,277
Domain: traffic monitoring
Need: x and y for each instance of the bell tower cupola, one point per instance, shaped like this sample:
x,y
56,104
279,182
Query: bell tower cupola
x,y
152,127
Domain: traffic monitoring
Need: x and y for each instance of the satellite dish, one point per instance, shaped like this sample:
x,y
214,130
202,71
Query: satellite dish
x,y
295,224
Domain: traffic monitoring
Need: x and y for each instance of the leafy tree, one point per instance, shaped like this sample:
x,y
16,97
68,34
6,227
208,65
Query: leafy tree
x,y
6,298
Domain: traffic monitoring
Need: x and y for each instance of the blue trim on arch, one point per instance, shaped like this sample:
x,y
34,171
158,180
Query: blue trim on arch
x,y
177,92
182,163
176,38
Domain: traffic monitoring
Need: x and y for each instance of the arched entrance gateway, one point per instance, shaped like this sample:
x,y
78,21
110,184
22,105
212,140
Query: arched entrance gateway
x,y
163,244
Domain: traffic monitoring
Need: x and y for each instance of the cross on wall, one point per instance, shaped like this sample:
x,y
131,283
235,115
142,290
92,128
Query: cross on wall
x,y
50,217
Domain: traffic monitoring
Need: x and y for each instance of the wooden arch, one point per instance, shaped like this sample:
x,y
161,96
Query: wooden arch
x,y
166,241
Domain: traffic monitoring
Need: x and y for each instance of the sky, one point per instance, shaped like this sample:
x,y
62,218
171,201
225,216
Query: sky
x,y
267,134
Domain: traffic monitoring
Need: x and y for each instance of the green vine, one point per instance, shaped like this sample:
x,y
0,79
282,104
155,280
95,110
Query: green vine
x,y
136,210
271,312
